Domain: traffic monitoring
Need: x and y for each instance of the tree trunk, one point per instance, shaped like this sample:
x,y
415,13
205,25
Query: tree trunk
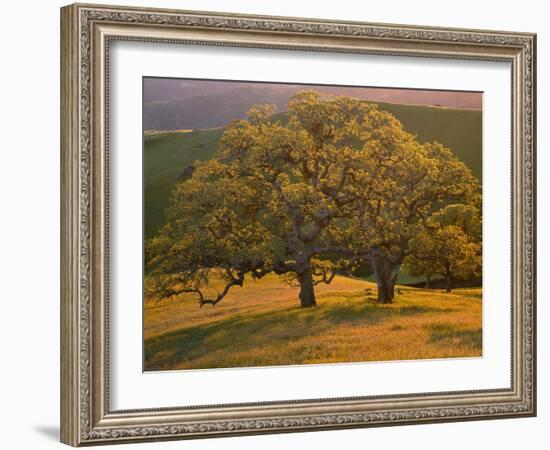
x,y
307,293
386,289
428,280
385,279
448,279
449,282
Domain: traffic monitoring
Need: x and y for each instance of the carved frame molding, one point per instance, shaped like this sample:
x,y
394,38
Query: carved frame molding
x,y
86,32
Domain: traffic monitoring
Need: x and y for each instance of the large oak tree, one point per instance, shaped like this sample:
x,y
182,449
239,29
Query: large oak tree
x,y
332,183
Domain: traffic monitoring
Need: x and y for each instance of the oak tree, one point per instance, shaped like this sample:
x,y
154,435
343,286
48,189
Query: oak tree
x,y
448,247
332,183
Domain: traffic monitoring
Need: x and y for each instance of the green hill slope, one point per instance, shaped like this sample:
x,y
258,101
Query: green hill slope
x,y
459,129
167,154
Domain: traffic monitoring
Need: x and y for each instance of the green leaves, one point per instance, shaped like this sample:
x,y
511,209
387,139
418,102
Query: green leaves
x,y
321,192
449,245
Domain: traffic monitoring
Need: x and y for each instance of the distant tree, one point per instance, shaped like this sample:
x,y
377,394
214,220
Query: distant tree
x,y
333,185
449,246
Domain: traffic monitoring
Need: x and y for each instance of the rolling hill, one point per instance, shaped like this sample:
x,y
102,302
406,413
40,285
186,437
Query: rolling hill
x,y
167,154
176,104
260,324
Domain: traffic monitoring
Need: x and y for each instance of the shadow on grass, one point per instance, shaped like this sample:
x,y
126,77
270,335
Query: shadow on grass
x,y
371,313
240,333
442,334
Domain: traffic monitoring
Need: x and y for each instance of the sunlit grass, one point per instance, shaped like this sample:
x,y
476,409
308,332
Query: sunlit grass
x,y
262,324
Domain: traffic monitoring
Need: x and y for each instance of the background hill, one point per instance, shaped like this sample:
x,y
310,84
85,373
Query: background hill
x,y
196,104
167,154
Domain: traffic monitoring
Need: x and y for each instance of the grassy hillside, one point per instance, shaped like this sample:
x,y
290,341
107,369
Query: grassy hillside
x,y
261,324
459,129
166,154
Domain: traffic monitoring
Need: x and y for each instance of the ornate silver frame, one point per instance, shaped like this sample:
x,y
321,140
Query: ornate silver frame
x,y
86,31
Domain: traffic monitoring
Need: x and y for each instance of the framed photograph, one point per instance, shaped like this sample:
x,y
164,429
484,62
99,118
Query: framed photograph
x,y
275,224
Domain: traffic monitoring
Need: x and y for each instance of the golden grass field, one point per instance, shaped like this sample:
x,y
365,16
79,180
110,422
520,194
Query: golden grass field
x,y
261,324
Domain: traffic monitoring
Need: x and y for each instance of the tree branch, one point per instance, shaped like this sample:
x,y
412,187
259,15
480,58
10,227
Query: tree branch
x,y
233,281
325,277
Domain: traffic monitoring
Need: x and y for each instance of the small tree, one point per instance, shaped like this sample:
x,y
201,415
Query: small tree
x,y
449,246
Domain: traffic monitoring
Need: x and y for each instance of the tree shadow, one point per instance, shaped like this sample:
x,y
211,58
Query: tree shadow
x,y
371,313
441,333
239,333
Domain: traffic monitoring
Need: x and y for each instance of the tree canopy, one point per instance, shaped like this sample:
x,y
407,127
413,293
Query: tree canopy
x,y
449,246
331,184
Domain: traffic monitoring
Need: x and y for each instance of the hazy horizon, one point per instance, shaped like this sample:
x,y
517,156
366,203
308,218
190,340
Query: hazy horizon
x,y
171,103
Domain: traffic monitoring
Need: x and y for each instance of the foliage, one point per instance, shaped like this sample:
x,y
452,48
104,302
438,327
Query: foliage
x,y
167,154
339,183
448,246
